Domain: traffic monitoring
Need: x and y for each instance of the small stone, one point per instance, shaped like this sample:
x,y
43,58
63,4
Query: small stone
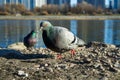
x,y
105,52
87,60
107,74
117,64
101,67
66,67
26,75
17,46
59,68
37,66
46,65
78,58
42,68
72,65
114,69
22,73
112,46
96,65
43,53
104,78
51,70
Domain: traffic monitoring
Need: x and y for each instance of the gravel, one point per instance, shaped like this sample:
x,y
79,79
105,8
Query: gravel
x,y
96,61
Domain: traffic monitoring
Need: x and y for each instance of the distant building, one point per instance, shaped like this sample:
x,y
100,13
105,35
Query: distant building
x,y
29,4
20,1
96,3
6,1
2,2
39,3
58,2
80,1
116,4
110,4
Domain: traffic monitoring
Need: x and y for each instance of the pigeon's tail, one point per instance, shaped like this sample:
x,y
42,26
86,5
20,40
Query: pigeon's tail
x,y
80,42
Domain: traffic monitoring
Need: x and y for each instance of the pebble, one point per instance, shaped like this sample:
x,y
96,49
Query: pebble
x,y
101,68
87,60
111,46
58,68
117,64
37,66
72,65
100,61
50,69
17,46
46,65
22,73
78,58
114,69
104,78
43,68
96,65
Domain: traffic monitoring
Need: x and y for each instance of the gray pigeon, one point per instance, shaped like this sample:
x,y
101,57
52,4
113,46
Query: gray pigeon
x,y
30,40
59,39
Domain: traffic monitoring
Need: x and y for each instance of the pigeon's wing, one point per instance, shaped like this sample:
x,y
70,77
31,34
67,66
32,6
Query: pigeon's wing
x,y
64,39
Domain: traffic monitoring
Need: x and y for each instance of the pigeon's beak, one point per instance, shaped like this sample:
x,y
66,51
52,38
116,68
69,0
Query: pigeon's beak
x,y
41,27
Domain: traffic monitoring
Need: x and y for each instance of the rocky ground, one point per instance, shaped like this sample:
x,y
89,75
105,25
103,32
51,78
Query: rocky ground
x,y
95,61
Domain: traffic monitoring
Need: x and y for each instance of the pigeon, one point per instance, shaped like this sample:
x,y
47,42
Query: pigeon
x,y
59,39
30,40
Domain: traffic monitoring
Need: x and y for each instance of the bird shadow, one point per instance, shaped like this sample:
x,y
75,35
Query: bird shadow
x,y
75,61
13,54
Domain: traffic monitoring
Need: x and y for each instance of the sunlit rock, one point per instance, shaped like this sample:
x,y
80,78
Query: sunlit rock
x,y
17,46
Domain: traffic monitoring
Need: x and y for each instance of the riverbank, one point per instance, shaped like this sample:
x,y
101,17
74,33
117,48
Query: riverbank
x,y
58,17
95,61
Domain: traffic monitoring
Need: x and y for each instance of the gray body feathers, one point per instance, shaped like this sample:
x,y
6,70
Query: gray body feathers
x,y
61,39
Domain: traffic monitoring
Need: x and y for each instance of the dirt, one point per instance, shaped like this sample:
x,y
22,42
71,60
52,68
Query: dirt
x,y
95,61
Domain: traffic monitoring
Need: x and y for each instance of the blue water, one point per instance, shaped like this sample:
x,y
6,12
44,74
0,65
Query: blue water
x,y
107,31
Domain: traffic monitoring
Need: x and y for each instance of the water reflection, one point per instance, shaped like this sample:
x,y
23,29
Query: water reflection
x,y
13,31
108,31
73,26
112,31
89,30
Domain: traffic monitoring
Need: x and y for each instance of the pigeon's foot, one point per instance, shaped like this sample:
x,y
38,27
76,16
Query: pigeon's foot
x,y
59,56
73,52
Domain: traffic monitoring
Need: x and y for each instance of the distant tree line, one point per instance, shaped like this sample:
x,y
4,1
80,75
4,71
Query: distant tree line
x,y
65,9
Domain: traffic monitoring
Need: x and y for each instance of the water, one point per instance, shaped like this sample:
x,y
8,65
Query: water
x,y
107,31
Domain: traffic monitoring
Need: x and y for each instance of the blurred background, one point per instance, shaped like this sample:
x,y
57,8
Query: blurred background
x,y
59,7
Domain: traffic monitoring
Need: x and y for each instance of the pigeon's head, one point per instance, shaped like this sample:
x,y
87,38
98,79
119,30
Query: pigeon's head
x,y
33,33
44,24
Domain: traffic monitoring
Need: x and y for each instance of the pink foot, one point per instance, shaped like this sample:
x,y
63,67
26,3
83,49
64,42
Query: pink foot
x,y
73,52
59,56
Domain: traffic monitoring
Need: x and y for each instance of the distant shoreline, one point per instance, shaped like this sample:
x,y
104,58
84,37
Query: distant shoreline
x,y
58,17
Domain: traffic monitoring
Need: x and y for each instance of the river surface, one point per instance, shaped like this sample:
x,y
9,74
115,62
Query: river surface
x,y
107,31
